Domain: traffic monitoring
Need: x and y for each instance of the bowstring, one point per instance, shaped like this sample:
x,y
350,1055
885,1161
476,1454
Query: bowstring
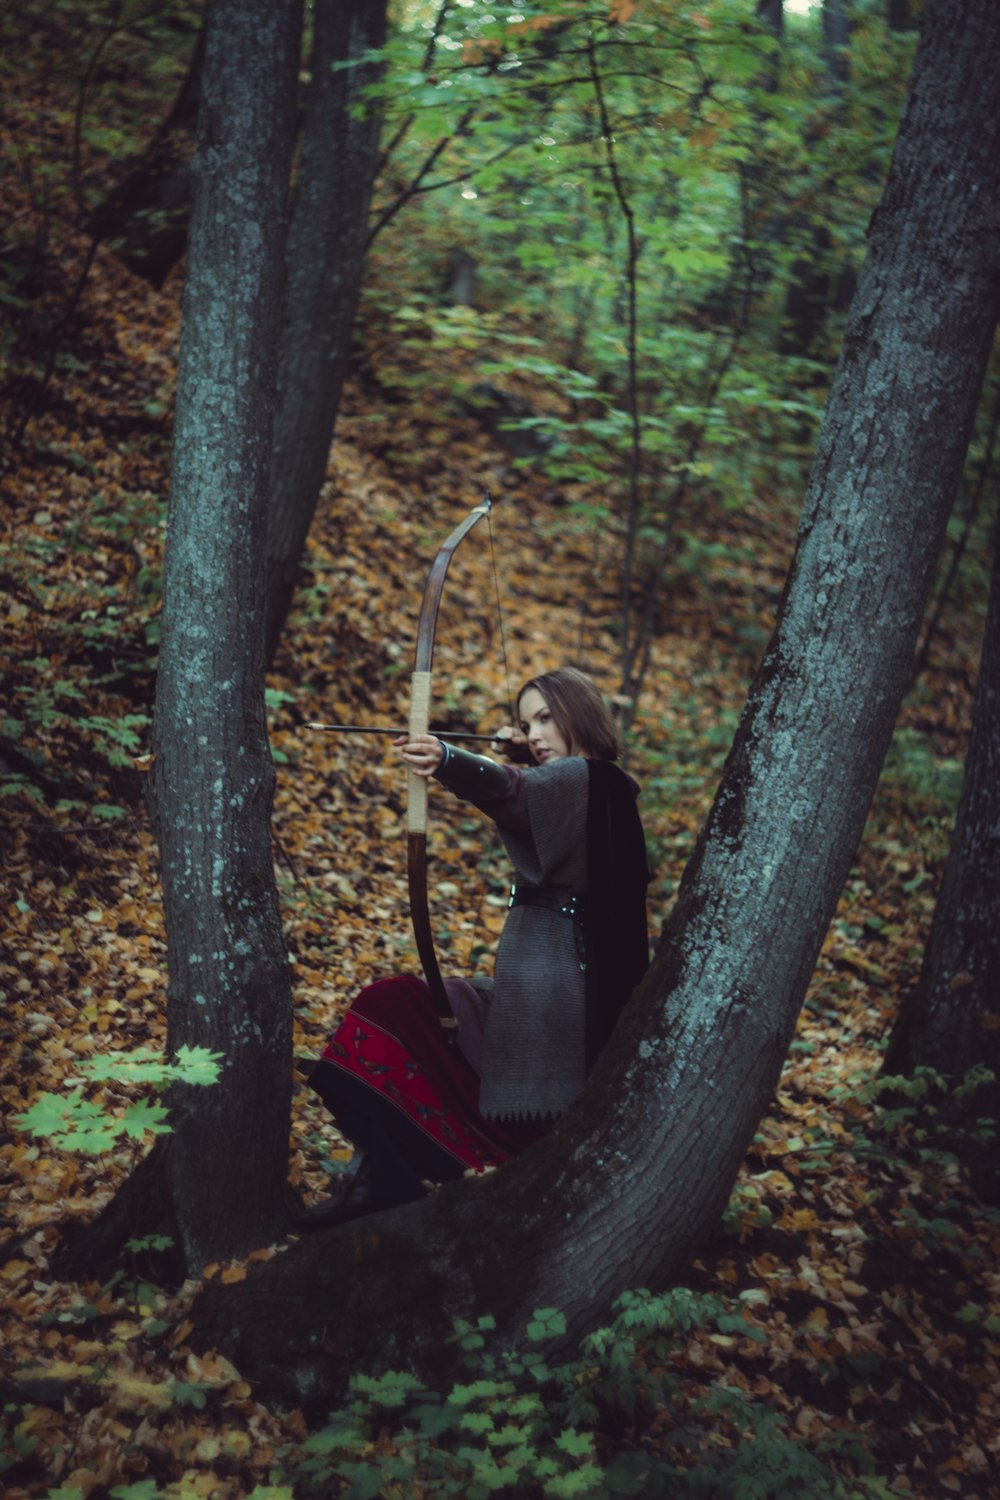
x,y
489,857
503,638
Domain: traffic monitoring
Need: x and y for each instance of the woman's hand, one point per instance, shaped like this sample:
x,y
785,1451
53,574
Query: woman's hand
x,y
422,753
514,745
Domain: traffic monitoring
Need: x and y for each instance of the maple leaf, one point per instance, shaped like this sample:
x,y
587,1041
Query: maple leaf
x,y
71,1123
198,1064
142,1117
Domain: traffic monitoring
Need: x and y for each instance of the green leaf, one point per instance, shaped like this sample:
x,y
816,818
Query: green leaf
x,y
48,1114
389,1390
576,1444
584,1483
198,1065
142,1117
479,1390
547,1323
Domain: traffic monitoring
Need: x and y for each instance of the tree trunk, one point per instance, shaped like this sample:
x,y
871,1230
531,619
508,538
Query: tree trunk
x,y
836,41
770,16
817,283
634,1178
326,246
951,1021
229,986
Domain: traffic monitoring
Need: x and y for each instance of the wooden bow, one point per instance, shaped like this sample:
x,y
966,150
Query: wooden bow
x,y
416,819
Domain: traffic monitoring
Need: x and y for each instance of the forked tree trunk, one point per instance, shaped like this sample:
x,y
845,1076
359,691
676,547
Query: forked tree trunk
x,y
226,1162
326,247
636,1175
951,1022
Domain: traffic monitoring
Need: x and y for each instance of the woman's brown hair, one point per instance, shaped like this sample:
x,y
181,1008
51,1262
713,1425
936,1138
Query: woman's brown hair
x,y
580,712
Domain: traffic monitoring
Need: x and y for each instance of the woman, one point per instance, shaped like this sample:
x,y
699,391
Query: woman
x,y
572,950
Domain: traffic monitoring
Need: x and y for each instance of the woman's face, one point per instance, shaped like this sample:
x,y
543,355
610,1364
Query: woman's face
x,y
545,740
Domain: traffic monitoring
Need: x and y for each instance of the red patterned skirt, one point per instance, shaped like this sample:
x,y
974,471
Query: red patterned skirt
x,y
391,1042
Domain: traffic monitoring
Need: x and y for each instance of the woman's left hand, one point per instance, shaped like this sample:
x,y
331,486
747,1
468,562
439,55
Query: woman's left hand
x,y
422,753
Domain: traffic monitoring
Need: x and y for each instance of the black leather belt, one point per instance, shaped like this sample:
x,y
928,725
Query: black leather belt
x,y
566,903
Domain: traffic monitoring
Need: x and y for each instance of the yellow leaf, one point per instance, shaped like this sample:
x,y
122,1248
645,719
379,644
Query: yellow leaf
x,y
136,1392
126,1330
80,1479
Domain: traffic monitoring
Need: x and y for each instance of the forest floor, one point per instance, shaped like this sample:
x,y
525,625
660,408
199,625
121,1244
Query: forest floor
x,y
853,1242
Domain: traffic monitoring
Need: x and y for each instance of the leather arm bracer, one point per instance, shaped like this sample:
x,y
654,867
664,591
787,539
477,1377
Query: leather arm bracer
x,y
474,778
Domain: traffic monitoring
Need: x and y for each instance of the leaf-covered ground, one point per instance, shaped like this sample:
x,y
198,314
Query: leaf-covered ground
x,y
853,1243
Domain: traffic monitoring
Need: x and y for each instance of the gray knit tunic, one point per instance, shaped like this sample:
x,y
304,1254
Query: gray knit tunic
x,y
533,1060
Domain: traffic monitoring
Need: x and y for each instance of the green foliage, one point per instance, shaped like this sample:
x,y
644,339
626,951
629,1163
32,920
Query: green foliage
x,y
527,1427
70,1122
677,155
925,1085
923,1128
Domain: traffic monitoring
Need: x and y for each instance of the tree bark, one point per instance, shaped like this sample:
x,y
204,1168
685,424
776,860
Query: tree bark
x,y
326,245
229,986
636,1175
951,1021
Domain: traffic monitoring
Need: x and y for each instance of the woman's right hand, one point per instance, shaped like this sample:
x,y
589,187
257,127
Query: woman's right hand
x,y
514,745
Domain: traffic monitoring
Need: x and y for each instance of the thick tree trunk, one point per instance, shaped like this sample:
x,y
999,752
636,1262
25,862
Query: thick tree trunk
x,y
226,1162
326,245
951,1021
636,1175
